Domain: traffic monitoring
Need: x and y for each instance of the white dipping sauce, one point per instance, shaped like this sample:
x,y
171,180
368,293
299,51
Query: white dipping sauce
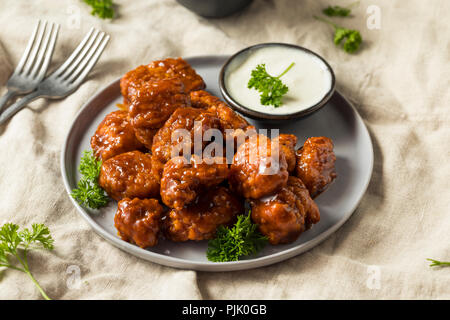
x,y
309,80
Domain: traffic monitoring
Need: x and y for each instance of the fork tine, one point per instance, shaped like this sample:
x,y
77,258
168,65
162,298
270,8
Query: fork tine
x,y
35,49
72,57
43,49
28,48
81,56
86,59
49,53
92,61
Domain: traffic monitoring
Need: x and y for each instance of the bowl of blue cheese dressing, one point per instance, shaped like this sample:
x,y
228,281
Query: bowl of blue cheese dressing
x,y
276,81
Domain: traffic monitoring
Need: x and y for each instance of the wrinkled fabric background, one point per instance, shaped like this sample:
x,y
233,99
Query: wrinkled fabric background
x,y
399,82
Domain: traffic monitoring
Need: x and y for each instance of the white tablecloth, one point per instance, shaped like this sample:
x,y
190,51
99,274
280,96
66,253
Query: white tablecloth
x,y
399,83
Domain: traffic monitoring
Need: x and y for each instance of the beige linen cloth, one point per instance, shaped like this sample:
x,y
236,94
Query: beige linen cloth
x,y
399,82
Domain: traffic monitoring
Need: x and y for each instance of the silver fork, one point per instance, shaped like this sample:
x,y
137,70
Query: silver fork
x,y
34,63
68,77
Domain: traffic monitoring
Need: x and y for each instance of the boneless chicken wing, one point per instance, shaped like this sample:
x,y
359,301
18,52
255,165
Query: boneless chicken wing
x,y
287,145
114,136
235,129
315,164
132,81
139,221
128,175
285,215
154,104
228,118
259,168
312,214
184,180
199,221
178,133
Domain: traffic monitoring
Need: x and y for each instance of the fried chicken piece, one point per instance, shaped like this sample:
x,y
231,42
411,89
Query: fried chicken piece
x,y
311,209
154,104
194,123
235,128
114,136
128,175
259,168
139,221
132,81
199,221
228,118
287,145
284,216
183,180
315,164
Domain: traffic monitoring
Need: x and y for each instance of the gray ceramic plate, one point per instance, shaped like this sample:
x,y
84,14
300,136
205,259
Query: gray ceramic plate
x,y
338,120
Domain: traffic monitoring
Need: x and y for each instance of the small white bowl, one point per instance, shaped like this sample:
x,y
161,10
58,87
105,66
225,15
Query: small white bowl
x,y
270,116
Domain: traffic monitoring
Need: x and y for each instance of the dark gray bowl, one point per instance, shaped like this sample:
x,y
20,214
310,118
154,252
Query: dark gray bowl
x,y
267,116
215,8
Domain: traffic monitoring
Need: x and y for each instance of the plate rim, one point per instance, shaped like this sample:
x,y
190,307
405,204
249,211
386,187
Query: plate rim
x,y
181,263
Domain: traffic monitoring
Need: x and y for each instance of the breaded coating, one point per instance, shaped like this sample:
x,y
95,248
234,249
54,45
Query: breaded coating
x,y
199,221
182,181
287,145
139,221
315,164
310,206
167,144
235,129
285,215
129,175
114,136
228,118
132,81
259,168
154,104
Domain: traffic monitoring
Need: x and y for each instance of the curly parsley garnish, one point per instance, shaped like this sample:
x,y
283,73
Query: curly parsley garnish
x,y
89,193
338,11
15,243
353,37
104,9
230,244
437,263
271,88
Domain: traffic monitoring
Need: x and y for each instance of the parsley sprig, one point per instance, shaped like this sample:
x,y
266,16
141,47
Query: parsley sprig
x,y
230,244
436,263
90,167
104,9
89,193
271,88
353,37
15,243
338,11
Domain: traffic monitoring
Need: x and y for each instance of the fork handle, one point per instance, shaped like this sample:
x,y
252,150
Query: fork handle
x,y
18,105
5,98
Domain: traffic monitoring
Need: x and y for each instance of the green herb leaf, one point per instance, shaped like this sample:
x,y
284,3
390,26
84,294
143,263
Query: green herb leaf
x,y
90,167
11,240
88,192
351,39
436,263
104,9
39,234
9,237
271,88
230,244
338,11
3,259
